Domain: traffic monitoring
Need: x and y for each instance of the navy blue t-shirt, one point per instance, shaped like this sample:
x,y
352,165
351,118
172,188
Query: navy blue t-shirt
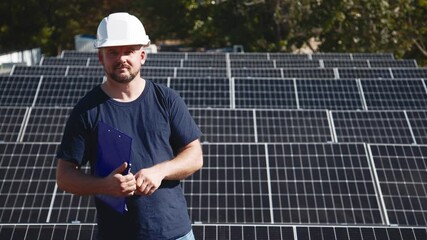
x,y
160,125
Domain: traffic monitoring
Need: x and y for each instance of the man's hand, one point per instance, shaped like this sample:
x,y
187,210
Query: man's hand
x,y
148,180
120,185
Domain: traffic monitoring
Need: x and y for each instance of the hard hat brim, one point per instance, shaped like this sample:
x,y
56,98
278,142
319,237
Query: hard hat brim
x,y
112,43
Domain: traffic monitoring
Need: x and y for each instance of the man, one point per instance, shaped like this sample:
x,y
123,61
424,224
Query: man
x,y
165,141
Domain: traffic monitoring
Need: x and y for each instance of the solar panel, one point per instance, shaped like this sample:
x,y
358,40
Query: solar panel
x,y
27,183
55,61
203,92
402,179
232,187
322,184
315,73
364,73
374,56
148,72
224,232
360,233
68,208
388,94
160,80
152,62
339,56
45,124
11,120
65,91
18,90
418,122
85,71
409,73
301,146
78,54
208,63
94,62
334,63
205,56
48,231
288,56
39,70
402,63
297,64
201,72
248,56
264,93
274,126
242,232
238,63
256,72
372,127
329,94
225,125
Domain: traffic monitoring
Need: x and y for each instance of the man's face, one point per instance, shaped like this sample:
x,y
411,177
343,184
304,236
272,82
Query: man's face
x,y
122,63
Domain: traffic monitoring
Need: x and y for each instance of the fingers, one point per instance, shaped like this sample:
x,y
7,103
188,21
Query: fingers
x,y
145,187
122,185
121,168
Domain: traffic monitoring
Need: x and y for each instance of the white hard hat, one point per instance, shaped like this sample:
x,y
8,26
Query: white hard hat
x,y
120,29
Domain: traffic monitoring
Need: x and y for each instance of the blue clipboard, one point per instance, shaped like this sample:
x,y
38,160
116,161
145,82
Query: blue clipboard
x,y
114,148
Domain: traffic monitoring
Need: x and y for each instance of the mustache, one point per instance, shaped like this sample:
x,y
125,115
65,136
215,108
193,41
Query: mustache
x,y
121,65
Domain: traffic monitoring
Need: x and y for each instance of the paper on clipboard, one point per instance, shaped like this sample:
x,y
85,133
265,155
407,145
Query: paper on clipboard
x,y
114,148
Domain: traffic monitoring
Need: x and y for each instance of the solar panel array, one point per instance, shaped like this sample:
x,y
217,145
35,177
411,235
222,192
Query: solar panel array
x,y
296,146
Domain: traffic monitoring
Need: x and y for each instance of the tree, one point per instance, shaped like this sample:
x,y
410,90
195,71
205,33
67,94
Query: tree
x,y
397,26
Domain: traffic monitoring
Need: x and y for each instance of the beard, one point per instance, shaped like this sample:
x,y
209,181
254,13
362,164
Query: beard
x,y
123,77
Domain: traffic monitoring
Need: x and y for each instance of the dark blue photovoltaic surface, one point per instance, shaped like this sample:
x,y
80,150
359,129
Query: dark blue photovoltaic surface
x,y
324,146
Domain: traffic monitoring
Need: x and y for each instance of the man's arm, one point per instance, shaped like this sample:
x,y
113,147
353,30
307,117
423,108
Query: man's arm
x,y
188,161
71,179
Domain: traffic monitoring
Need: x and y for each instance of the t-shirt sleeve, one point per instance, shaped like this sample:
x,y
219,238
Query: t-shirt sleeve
x,y
72,145
184,129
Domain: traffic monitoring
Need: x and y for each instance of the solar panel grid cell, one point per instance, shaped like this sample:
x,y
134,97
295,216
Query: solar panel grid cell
x,y
225,125
288,56
65,91
389,94
329,94
252,64
364,73
315,73
287,126
409,73
201,72
297,63
39,70
208,63
256,72
334,63
97,71
402,176
373,56
372,127
322,184
418,121
46,125
11,120
235,181
203,92
264,93
403,63
162,63
18,90
55,61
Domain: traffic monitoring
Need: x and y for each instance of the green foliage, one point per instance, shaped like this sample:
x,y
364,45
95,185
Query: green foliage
x,y
397,26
